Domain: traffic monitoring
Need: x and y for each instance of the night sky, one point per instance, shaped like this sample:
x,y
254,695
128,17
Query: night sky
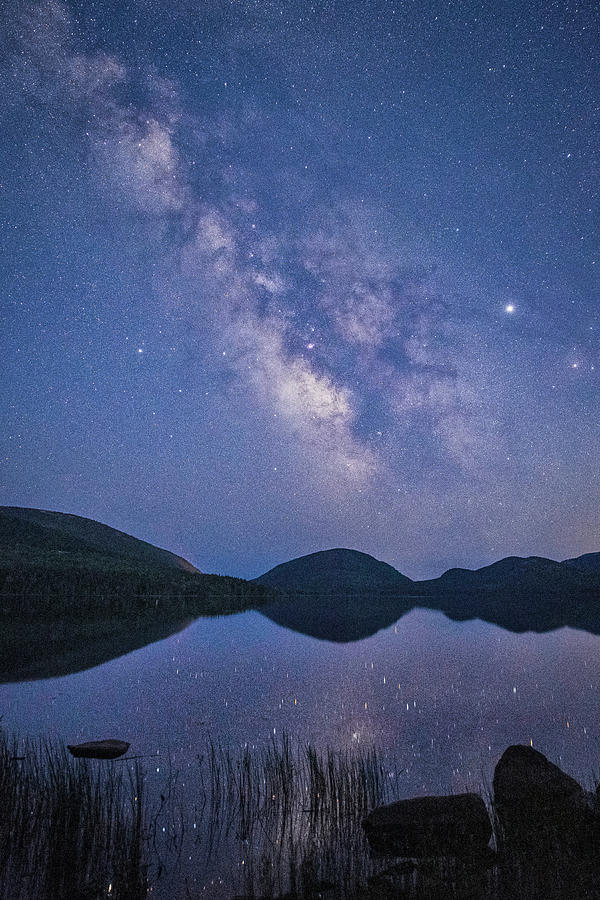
x,y
282,276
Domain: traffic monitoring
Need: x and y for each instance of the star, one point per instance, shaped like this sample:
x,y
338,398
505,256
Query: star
x,y
509,308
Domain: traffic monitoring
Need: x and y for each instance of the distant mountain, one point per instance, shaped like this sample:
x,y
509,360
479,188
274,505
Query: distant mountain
x,y
521,594
532,575
54,565
71,589
343,595
336,595
39,536
589,562
335,571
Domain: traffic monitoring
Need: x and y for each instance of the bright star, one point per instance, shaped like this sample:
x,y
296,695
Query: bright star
x,y
509,308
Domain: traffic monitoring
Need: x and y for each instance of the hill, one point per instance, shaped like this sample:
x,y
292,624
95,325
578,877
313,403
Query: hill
x,y
335,571
520,594
43,537
530,576
342,595
336,595
54,565
589,562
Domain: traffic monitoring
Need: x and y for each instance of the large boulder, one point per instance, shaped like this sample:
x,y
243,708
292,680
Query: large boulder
x,y
455,825
538,806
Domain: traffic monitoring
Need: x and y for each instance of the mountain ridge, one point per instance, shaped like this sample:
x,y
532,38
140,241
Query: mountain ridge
x,y
519,593
305,573
57,564
588,561
39,536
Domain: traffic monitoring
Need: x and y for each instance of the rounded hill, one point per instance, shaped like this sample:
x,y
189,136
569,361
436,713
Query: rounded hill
x,y
41,536
337,571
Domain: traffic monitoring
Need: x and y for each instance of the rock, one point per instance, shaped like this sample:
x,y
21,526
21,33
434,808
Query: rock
x,y
538,806
109,749
456,825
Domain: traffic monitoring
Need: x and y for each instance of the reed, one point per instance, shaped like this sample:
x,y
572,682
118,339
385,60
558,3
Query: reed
x,y
70,828
279,821
293,814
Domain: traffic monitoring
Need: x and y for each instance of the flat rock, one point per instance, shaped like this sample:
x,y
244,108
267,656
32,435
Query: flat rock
x,y
454,825
108,749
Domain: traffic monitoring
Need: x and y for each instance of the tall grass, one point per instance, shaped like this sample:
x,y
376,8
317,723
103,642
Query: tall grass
x,y
287,819
281,778
279,821
289,816
69,828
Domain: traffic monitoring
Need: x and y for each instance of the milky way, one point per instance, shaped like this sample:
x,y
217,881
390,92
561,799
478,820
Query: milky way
x,y
286,276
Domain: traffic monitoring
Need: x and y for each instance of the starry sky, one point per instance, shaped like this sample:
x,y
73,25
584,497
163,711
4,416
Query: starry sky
x,y
283,276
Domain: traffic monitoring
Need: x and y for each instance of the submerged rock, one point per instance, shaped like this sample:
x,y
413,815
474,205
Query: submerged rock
x,y
455,825
539,806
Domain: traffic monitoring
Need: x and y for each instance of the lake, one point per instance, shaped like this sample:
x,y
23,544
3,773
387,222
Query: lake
x,y
441,699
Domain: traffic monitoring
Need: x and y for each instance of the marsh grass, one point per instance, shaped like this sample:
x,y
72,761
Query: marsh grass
x,y
288,820
290,816
279,821
70,828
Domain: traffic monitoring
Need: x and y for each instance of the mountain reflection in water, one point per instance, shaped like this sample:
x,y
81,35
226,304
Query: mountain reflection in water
x,y
36,650
442,699
50,649
352,617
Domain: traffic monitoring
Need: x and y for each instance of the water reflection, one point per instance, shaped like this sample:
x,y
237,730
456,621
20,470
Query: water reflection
x,y
49,649
442,699
36,650
354,617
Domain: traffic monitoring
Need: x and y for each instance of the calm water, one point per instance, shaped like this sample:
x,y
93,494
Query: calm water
x,y
442,699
